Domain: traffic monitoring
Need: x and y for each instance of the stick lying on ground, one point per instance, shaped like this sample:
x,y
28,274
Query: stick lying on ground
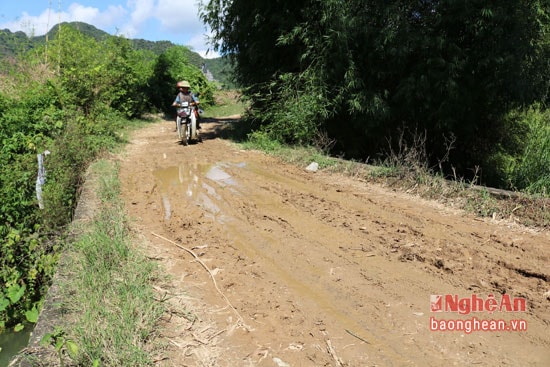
x,y
239,317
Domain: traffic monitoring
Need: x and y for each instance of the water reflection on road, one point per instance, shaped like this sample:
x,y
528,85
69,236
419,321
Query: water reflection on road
x,y
197,183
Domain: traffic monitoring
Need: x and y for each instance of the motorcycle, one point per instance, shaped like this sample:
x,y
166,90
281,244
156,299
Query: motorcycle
x,y
186,123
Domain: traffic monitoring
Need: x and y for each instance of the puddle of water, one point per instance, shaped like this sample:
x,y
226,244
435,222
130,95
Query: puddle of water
x,y
196,183
218,175
167,207
12,343
211,191
208,204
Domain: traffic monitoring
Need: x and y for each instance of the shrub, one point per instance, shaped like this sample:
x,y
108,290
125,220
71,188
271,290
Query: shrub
x,y
531,170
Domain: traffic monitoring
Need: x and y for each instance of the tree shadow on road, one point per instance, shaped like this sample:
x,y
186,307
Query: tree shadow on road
x,y
232,128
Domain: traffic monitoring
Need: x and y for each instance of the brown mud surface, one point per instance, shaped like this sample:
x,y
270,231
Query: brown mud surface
x,y
267,264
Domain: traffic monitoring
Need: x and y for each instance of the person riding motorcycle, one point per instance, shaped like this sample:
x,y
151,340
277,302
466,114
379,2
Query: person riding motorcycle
x,y
185,95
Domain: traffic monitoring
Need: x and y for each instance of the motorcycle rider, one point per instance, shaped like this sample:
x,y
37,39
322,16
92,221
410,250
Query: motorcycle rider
x,y
185,95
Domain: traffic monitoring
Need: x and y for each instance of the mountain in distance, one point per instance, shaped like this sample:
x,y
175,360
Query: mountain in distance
x,y
11,43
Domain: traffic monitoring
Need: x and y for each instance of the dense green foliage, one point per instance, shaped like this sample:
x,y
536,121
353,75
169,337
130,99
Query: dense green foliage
x,y
26,262
222,72
173,66
70,96
364,71
530,169
12,44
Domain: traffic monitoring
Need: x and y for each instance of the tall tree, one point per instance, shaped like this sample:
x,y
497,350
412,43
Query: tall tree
x,y
450,69
248,31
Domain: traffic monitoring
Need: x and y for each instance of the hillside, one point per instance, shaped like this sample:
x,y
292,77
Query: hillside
x,y
12,43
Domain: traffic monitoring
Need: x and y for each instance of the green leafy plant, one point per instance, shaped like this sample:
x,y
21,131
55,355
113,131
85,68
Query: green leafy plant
x,y
71,98
62,345
530,170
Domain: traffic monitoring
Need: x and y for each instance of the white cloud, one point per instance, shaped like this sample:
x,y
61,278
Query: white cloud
x,y
41,24
111,16
181,19
179,16
198,43
31,25
82,13
141,10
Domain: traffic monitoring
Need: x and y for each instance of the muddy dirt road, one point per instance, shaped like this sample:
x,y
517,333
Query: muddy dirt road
x,y
295,268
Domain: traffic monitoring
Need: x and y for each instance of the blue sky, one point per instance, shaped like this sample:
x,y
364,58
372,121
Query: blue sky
x,y
153,20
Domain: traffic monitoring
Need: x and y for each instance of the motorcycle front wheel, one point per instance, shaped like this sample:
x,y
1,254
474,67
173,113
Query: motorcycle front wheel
x,y
193,128
195,132
185,138
179,128
183,130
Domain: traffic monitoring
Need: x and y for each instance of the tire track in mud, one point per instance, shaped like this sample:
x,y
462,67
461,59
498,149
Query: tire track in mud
x,y
319,260
359,215
290,234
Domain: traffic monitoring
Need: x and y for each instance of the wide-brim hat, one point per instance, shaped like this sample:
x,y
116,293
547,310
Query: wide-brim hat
x,y
183,84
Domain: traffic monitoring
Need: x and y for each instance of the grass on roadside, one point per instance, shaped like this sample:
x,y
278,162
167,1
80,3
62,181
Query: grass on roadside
x,y
227,103
112,310
414,178
404,171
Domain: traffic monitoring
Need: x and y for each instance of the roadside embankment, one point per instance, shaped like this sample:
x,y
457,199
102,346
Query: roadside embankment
x,y
51,314
100,309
